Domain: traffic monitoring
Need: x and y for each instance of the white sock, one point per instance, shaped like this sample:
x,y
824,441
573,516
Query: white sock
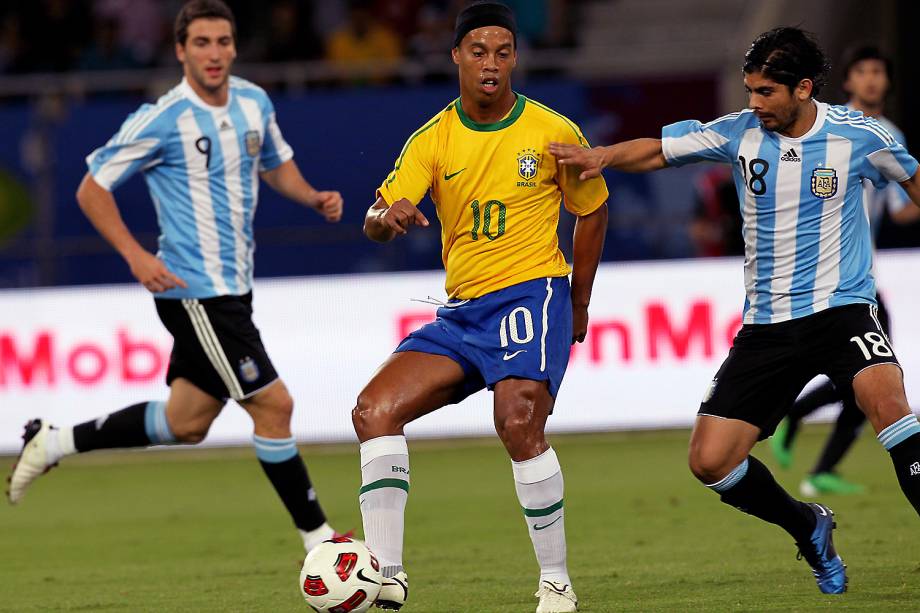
x,y
59,443
539,486
384,491
312,538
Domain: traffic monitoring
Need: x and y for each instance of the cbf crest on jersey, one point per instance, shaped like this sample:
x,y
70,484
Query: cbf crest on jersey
x,y
253,143
528,165
824,182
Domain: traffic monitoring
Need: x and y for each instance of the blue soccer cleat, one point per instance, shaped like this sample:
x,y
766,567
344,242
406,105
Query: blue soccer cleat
x,y
829,570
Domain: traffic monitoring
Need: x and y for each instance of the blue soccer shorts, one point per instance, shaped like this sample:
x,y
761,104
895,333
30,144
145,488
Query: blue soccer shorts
x,y
523,331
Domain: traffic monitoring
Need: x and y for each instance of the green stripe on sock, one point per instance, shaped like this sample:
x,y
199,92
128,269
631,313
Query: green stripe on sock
x,y
542,512
376,485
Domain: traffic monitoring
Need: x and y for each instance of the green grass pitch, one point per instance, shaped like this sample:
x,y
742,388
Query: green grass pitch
x,y
201,530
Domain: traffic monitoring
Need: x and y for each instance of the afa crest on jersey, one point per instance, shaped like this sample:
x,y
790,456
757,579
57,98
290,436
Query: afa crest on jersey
x,y
253,143
824,182
528,166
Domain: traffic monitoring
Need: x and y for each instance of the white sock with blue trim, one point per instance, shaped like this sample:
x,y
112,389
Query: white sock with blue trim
x,y
539,487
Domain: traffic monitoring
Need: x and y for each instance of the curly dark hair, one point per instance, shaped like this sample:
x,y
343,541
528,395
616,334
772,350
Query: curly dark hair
x,y
201,9
787,55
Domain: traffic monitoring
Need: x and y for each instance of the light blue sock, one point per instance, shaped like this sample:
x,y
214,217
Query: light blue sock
x,y
155,424
904,428
274,450
729,481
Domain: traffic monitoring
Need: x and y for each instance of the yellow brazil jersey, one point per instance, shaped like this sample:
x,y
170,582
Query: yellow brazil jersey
x,y
497,192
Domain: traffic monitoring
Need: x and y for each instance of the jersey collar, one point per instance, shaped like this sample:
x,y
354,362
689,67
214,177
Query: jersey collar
x,y
820,116
197,101
516,111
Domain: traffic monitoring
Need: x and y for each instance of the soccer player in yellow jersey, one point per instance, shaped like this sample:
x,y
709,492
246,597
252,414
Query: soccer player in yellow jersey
x,y
511,315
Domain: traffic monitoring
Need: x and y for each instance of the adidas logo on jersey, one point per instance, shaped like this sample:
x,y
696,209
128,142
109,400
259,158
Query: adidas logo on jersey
x,y
790,156
225,125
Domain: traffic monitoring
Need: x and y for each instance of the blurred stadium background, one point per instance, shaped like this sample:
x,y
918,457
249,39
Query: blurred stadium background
x,y
71,70
350,81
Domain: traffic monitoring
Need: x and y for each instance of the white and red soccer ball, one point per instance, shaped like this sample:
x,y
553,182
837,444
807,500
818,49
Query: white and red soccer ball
x,y
340,576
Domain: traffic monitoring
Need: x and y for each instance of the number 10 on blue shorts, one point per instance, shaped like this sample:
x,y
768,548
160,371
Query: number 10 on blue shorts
x,y
523,331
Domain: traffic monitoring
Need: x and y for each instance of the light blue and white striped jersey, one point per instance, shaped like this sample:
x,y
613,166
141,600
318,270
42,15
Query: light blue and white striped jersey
x,y
806,233
892,198
201,164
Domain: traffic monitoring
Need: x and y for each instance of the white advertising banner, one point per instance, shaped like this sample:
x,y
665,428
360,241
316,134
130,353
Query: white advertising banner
x,y
658,333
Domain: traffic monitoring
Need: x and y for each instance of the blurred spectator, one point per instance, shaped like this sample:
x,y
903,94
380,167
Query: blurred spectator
x,y
716,226
431,42
106,51
540,22
139,26
55,33
292,35
363,39
401,16
12,45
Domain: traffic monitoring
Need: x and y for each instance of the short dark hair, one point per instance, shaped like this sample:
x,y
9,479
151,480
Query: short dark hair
x,y
865,51
788,55
201,9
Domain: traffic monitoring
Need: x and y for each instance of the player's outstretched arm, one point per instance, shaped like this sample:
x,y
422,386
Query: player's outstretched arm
x,y
384,223
99,206
639,155
590,231
287,181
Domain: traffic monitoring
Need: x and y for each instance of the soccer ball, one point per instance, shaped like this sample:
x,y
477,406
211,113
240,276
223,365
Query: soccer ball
x,y
340,576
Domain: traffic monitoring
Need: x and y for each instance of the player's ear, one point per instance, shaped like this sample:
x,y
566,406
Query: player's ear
x,y
804,89
455,54
180,52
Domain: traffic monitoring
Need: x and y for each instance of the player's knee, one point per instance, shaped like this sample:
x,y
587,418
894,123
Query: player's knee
x,y
887,409
191,432
282,408
707,465
518,431
373,412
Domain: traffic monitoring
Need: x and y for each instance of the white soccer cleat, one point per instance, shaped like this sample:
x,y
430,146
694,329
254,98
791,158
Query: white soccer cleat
x,y
32,462
556,597
394,592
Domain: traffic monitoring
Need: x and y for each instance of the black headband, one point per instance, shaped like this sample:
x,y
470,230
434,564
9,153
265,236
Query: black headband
x,y
484,14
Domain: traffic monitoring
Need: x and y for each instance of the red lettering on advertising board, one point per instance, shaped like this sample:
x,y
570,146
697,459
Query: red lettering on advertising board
x,y
42,361
660,328
132,350
28,367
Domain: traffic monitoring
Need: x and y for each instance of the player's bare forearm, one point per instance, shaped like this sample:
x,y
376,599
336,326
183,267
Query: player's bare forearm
x,y
640,155
374,226
912,187
590,232
383,223
100,208
287,180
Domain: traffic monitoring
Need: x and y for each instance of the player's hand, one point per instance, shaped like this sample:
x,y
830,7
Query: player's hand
x,y
591,161
152,273
329,205
403,214
579,323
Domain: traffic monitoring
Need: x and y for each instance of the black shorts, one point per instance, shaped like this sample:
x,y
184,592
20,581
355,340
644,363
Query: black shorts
x,y
216,346
769,364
